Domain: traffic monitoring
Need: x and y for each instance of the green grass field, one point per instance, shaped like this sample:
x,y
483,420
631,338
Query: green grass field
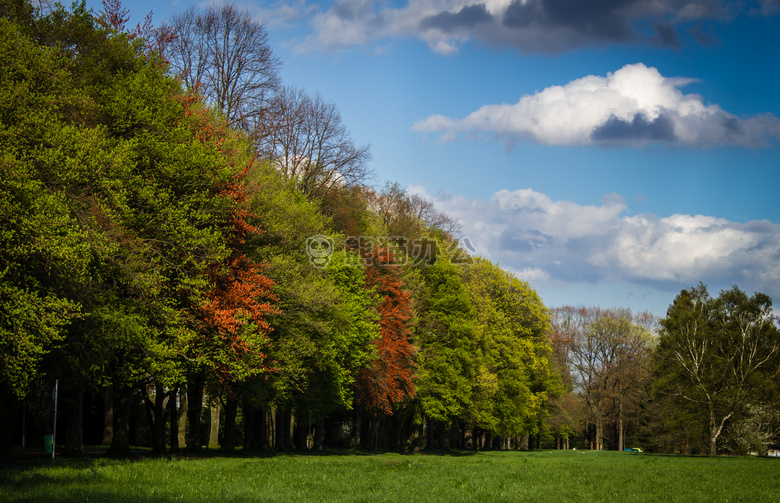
x,y
446,477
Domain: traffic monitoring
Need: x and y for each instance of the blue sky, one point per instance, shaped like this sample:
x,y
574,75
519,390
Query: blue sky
x,y
609,155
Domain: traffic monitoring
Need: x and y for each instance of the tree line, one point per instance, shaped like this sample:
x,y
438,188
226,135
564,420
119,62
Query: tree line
x,y
194,253
702,380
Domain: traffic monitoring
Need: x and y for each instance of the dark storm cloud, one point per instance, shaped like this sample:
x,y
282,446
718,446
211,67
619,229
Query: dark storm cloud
x,y
530,25
521,15
667,35
580,21
600,18
467,17
638,129
705,39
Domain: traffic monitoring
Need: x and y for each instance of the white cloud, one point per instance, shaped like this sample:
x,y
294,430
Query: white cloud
x,y
281,14
561,242
633,106
558,218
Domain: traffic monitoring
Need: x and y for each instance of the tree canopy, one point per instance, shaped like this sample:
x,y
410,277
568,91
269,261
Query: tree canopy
x,y
177,227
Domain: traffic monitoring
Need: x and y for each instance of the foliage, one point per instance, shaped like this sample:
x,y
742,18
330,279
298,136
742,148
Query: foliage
x,y
388,379
131,197
446,336
755,430
514,374
718,354
326,321
154,228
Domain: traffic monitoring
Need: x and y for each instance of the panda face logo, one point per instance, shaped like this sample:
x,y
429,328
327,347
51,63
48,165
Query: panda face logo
x,y
319,248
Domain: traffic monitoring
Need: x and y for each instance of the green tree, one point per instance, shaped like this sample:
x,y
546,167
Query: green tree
x,y
133,204
45,251
718,354
445,335
321,338
514,376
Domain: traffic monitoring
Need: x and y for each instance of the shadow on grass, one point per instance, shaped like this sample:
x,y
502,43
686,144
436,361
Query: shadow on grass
x,y
91,453
273,453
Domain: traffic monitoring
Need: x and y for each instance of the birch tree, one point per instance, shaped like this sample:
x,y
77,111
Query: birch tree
x,y
718,354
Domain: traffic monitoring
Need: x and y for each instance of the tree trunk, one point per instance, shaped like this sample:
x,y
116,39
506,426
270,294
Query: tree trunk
x,y
194,410
283,420
120,441
158,431
182,417
278,419
108,415
260,438
357,426
476,438
394,432
524,443
214,422
620,427
249,425
174,420
599,433
229,431
715,430
375,435
319,434
301,433
286,427
155,414
74,445
148,407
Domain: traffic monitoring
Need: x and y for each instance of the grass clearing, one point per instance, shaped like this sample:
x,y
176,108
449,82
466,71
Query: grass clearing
x,y
356,477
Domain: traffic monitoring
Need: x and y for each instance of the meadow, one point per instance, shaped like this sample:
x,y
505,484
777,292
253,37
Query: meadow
x,y
356,477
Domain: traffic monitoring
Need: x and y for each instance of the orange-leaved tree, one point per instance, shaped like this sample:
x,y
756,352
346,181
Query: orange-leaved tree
x,y
233,343
388,380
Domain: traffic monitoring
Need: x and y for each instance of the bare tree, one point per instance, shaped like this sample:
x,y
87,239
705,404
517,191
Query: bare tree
x,y
630,343
606,352
225,55
410,215
307,140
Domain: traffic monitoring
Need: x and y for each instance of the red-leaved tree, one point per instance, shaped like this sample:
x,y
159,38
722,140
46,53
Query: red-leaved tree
x,y
233,343
388,380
